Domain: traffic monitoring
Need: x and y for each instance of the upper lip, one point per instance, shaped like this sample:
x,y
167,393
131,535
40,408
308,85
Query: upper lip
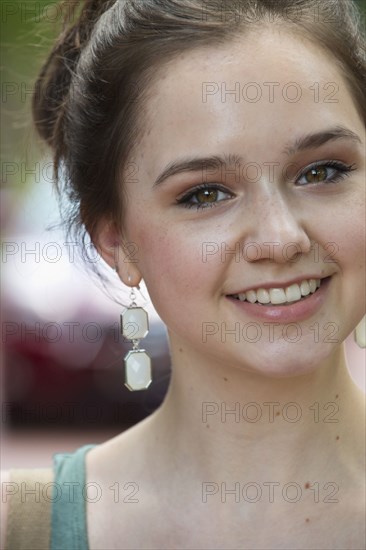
x,y
279,284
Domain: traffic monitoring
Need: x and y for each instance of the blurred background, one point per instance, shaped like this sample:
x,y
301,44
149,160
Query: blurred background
x,y
61,352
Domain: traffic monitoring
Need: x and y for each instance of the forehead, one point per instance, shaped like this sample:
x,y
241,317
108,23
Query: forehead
x,y
253,92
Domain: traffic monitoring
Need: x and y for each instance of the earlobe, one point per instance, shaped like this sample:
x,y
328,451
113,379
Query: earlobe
x,y
126,265
119,254
130,277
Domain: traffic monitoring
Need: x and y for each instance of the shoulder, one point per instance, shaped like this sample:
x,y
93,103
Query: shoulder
x,y
5,478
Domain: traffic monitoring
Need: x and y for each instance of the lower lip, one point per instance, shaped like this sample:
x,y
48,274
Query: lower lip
x,y
298,311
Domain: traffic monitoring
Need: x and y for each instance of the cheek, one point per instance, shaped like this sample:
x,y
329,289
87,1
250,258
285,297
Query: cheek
x,y
171,265
348,237
339,227
343,238
352,259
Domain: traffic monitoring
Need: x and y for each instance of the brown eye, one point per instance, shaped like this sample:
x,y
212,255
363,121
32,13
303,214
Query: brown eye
x,y
316,175
206,196
330,171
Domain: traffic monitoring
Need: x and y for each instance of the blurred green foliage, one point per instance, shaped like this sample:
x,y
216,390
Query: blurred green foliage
x,y
27,33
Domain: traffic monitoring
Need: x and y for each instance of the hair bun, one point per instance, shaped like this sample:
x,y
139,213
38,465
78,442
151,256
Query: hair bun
x,y
53,84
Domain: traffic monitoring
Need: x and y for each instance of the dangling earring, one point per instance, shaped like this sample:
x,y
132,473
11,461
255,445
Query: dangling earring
x,y
135,326
360,333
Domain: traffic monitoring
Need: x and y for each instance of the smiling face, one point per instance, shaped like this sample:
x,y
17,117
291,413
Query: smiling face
x,y
265,219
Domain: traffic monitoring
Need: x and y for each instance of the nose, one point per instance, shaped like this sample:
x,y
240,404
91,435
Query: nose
x,y
278,233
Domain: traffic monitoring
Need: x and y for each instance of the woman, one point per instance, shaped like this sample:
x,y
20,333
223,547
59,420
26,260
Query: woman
x,y
226,142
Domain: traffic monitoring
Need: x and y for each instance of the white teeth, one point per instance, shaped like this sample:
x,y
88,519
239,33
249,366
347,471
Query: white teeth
x,y
263,296
277,296
305,288
312,285
251,296
292,293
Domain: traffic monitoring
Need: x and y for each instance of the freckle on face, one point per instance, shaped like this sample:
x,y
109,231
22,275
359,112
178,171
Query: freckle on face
x,y
170,238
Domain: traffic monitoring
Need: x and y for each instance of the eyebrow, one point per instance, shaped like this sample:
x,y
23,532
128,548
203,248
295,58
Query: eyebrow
x,y
309,141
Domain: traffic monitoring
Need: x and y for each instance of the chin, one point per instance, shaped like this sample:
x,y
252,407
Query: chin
x,y
293,361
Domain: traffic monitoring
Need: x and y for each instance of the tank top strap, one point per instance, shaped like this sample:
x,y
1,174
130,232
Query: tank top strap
x,y
68,518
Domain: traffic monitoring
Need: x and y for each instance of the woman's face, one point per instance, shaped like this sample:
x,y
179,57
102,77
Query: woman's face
x,y
274,213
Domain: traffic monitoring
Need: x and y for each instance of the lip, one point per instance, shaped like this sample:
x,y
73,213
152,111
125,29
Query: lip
x,y
277,284
298,311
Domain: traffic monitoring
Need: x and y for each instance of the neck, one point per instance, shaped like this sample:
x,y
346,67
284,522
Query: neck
x,y
219,423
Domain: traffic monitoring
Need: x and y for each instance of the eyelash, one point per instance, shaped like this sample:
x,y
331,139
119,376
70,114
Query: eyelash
x,y
184,201
343,172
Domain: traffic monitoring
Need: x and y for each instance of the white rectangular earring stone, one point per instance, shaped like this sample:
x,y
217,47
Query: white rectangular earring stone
x,y
137,370
135,323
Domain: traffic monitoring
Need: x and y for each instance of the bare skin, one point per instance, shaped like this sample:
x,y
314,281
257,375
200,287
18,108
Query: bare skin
x,y
169,458
180,456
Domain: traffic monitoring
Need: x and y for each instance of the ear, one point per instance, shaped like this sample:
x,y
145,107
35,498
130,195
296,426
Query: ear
x,y
117,252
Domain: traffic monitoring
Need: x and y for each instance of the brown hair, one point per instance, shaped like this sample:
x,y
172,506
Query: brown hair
x,y
89,97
